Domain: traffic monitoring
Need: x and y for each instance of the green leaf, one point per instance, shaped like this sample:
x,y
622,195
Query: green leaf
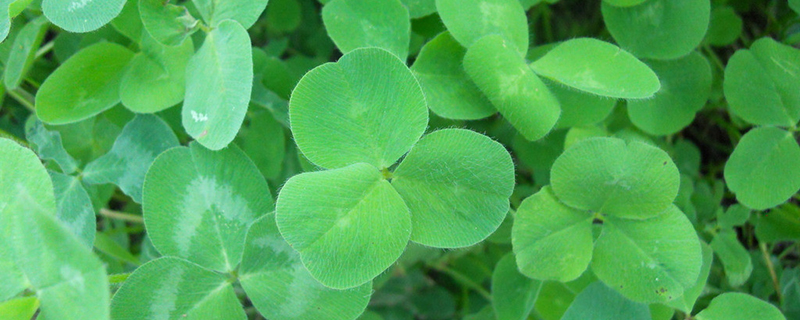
x,y
348,224
104,243
420,8
725,26
512,87
373,110
686,86
761,84
167,23
651,260
795,5
74,207
658,29
599,68
735,215
763,171
598,302
607,175
5,19
245,12
141,140
470,20
175,289
19,309
284,16
67,278
21,58
12,280
779,224
81,15
128,21
455,180
513,294
739,306
48,145
686,302
281,288
353,24
790,290
218,86
156,77
265,144
449,91
85,85
734,257
539,154
551,240
579,108
624,3
199,203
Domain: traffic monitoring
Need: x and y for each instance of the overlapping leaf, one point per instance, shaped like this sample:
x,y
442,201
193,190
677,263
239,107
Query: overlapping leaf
x,y
354,24
470,20
81,15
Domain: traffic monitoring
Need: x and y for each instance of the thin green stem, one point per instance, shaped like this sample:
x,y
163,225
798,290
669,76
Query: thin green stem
x,y
465,281
43,50
24,98
771,269
121,215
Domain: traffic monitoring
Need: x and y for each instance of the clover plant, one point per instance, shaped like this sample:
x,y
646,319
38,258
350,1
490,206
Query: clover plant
x,y
399,159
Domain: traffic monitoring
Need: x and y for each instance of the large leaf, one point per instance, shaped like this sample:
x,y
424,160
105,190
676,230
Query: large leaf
x,y
281,288
739,306
81,15
470,20
449,91
348,224
367,107
612,177
551,241
598,67
246,12
175,289
354,24
84,85
651,260
513,294
199,203
167,23
764,170
140,142
22,173
455,180
658,29
156,77
761,83
26,43
685,90
512,87
598,302
218,86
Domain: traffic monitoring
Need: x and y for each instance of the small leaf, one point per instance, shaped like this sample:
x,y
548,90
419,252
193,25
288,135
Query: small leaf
x,y
662,256
48,145
686,86
348,224
167,23
658,29
607,175
218,86
265,144
449,91
579,108
281,288
175,289
779,224
739,306
763,171
84,85
141,140
128,21
513,294
735,215
81,15
512,87
761,84
470,20
373,110
725,26
199,203
104,243
598,67
551,241
19,309
156,77
598,302
353,24
734,257
455,180
74,207
21,58
245,12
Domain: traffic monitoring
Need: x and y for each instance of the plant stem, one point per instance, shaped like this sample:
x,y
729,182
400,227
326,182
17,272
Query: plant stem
x,y
465,280
771,269
118,278
121,215
24,98
43,50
